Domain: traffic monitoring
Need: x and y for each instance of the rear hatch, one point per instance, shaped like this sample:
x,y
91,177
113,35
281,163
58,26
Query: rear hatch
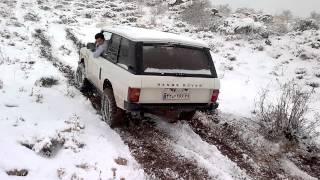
x,y
177,74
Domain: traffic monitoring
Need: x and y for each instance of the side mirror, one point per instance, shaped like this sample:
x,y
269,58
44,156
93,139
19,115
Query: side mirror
x,y
91,46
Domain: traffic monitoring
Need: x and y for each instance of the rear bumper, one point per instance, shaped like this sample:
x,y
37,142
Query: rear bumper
x,y
179,106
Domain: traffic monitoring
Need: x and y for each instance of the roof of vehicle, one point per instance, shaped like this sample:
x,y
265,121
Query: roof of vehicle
x,y
153,36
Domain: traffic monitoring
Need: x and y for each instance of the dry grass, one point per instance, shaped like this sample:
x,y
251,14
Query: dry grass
x,y
285,117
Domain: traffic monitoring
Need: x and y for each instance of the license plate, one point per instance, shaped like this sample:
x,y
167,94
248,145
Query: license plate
x,y
176,94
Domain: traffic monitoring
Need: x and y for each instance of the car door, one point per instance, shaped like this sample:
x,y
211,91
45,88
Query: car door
x,y
96,64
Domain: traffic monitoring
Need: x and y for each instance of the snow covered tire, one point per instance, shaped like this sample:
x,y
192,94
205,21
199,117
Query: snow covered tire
x,y
81,80
111,114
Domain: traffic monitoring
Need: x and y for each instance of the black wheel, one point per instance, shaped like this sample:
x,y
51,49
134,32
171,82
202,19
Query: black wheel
x,y
81,81
111,114
186,115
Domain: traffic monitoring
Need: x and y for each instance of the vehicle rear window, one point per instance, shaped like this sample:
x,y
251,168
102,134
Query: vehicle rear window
x,y
175,59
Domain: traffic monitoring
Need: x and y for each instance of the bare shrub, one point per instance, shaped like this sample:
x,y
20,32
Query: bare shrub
x,y
285,117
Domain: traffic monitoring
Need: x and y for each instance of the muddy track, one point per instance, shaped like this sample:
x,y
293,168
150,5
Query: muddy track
x,y
230,144
309,163
152,150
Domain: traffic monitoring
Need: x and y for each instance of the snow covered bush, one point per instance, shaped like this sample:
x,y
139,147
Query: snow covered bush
x,y
306,24
31,17
109,15
283,116
1,84
47,81
247,26
199,15
45,49
175,2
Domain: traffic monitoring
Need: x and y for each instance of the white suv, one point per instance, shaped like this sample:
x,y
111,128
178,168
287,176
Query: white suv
x,y
147,71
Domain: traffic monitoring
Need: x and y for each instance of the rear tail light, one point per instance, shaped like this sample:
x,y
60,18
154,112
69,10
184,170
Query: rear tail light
x,y
215,94
133,95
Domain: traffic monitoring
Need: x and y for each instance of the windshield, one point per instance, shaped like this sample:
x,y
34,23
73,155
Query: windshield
x,y
172,59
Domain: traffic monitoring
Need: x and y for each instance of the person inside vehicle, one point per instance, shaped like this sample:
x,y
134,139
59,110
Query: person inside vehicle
x,y
101,45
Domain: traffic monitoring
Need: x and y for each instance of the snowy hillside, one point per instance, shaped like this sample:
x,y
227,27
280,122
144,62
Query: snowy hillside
x,y
50,130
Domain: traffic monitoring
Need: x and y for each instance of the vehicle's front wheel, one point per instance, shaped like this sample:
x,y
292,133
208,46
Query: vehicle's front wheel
x,y
81,81
111,114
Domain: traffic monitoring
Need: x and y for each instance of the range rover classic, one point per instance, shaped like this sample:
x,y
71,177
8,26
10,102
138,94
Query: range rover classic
x,y
145,70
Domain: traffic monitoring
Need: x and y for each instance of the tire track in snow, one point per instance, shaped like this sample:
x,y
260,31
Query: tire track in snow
x,y
46,52
189,144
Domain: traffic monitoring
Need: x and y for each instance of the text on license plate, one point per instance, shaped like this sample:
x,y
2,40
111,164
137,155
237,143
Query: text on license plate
x,y
176,94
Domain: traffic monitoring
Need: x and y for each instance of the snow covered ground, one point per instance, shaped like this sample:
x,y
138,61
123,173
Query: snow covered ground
x,y
53,131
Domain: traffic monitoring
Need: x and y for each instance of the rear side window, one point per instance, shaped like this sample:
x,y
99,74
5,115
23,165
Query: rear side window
x,y
113,50
124,60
